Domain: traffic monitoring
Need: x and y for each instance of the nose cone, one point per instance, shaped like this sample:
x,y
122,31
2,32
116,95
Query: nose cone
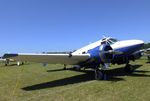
x,y
139,42
135,42
128,46
134,45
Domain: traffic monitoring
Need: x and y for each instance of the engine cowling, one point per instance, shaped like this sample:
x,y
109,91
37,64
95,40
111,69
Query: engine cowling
x,y
105,55
135,55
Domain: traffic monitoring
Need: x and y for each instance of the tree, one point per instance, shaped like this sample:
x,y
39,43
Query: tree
x,y
145,46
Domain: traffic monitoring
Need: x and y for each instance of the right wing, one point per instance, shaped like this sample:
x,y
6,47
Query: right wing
x,y
49,58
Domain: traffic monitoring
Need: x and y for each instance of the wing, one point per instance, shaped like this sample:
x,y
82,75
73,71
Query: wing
x,y
49,58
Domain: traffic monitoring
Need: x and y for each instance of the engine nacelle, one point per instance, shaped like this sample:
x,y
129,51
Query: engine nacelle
x,y
105,56
135,55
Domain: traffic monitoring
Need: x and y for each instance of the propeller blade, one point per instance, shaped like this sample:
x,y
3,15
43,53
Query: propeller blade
x,y
112,52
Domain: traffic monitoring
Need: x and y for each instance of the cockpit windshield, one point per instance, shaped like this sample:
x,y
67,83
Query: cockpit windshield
x,y
112,41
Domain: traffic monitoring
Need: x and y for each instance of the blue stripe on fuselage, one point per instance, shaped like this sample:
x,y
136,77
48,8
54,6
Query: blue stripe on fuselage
x,y
94,53
129,49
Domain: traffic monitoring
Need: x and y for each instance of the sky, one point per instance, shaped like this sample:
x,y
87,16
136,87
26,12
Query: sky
x,y
66,25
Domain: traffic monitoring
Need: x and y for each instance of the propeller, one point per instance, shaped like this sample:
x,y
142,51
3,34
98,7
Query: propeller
x,y
106,52
112,52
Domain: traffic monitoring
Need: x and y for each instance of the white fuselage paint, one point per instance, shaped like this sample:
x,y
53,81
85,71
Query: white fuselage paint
x,y
88,47
117,45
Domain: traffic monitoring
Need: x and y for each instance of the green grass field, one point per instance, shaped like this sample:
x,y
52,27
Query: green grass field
x,y
33,82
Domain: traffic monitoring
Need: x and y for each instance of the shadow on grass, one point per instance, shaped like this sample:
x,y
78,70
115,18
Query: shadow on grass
x,y
120,72
56,70
148,62
11,65
112,75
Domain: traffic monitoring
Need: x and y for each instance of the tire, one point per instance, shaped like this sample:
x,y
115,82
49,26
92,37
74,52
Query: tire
x,y
128,68
99,75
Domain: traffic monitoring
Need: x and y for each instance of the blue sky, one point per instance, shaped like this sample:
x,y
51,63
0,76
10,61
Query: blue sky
x,y
61,25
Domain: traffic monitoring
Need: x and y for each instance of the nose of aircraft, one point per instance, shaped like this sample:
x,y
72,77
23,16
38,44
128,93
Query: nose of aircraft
x,y
135,42
135,45
130,46
139,42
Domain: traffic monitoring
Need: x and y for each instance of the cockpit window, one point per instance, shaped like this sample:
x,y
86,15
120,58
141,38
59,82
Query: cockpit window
x,y
109,42
112,41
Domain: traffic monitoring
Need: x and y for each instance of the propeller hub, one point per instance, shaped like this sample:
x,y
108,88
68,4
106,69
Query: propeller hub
x,y
105,53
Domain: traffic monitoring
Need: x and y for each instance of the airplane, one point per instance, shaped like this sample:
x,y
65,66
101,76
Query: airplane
x,y
8,60
97,55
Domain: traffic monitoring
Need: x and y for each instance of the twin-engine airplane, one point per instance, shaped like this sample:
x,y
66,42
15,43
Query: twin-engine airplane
x,y
95,55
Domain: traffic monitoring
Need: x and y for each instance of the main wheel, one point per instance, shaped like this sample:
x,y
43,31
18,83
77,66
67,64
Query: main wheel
x,y
65,67
99,75
128,68
7,62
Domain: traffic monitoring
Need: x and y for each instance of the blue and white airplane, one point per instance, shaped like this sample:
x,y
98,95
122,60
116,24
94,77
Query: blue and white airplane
x,y
95,55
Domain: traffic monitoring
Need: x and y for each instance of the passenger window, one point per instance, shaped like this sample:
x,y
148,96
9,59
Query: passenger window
x,y
83,52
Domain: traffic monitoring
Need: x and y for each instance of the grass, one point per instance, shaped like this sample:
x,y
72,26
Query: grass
x,y
33,82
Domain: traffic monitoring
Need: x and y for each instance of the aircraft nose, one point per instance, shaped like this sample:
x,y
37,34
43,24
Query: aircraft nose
x,y
139,42
135,42
134,45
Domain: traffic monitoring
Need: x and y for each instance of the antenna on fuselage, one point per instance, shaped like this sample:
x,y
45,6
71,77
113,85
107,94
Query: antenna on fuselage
x,y
104,37
105,40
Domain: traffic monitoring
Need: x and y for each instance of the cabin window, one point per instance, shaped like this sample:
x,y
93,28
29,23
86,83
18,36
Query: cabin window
x,y
83,52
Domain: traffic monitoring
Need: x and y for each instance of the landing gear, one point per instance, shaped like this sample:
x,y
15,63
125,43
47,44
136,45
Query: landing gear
x,y
99,75
22,63
7,62
65,68
128,68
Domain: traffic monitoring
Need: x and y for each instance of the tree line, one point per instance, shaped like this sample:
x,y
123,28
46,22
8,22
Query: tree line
x,y
146,45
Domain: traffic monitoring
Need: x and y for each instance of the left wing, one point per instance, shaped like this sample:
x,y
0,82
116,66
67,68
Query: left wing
x,y
49,58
